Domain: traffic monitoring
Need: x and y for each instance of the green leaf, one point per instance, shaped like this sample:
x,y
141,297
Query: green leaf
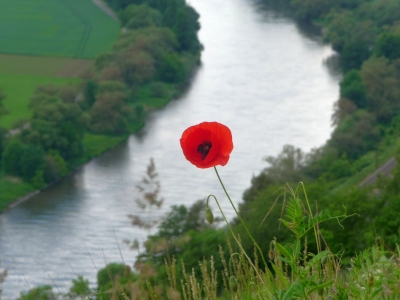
x,y
320,286
281,276
284,251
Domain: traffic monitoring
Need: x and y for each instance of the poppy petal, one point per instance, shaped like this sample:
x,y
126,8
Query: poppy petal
x,y
207,144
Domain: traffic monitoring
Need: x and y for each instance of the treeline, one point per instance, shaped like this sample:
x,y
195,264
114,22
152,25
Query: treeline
x,y
152,60
366,119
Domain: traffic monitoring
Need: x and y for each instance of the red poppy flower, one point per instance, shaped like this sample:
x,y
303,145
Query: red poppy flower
x,y
207,144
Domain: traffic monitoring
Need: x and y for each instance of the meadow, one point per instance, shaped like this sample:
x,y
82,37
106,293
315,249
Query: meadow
x,y
72,28
18,84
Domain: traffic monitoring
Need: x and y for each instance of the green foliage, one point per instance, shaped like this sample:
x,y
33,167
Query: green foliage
x,y
56,166
80,287
156,41
381,80
340,167
113,108
311,9
39,293
57,124
352,88
110,273
287,165
139,16
382,12
113,280
388,45
31,162
171,69
90,92
354,54
185,26
11,157
22,159
38,181
356,134
96,144
18,99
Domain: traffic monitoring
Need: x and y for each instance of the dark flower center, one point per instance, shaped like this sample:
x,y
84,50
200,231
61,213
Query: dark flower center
x,y
204,148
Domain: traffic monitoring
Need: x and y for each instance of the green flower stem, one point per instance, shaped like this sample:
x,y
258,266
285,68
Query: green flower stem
x,y
234,236
241,220
316,233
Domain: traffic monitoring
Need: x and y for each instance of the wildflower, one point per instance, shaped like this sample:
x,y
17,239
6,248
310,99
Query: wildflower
x,y
207,144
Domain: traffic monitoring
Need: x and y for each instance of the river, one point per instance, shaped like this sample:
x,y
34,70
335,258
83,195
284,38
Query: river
x,y
262,75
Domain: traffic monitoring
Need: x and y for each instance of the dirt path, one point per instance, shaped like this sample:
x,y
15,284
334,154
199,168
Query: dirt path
x,y
106,9
383,170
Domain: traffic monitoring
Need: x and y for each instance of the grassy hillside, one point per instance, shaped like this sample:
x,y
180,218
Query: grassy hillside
x,y
73,28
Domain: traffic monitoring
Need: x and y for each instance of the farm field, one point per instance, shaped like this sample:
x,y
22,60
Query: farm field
x,y
19,76
72,28
43,65
18,89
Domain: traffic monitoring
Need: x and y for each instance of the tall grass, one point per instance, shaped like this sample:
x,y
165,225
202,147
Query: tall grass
x,y
291,272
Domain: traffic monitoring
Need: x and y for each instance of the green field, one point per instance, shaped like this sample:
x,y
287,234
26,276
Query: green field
x,y
18,89
72,28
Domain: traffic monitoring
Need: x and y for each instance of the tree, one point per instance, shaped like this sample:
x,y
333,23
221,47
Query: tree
x,y
56,124
388,45
185,27
311,9
31,161
11,157
89,92
287,165
171,69
137,67
379,77
155,41
110,106
39,293
139,16
80,287
351,37
356,134
342,108
3,110
56,167
352,88
23,160
354,54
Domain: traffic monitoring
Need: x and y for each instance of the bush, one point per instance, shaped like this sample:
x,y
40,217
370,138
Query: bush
x,y
111,273
39,293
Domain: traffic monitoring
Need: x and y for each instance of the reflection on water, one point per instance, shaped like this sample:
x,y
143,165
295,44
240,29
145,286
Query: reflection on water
x,y
260,75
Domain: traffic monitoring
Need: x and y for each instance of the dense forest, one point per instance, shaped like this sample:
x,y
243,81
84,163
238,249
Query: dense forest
x,y
150,63
366,119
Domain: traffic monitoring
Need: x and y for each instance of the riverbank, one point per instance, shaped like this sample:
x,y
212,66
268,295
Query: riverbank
x,y
110,103
13,191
